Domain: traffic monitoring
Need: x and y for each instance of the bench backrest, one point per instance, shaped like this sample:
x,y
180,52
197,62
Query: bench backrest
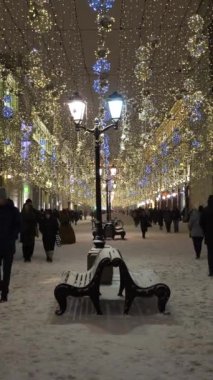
x,y
105,256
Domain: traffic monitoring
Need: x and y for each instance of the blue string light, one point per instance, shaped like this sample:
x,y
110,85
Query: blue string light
x,y
196,114
143,182
42,149
164,149
99,88
25,140
148,169
54,155
155,161
176,138
7,141
7,112
101,66
101,5
196,144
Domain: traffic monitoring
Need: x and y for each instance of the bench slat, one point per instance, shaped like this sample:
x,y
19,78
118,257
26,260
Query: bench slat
x,y
145,278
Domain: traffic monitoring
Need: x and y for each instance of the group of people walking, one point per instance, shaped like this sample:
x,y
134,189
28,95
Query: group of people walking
x,y
51,223
147,217
27,225
200,224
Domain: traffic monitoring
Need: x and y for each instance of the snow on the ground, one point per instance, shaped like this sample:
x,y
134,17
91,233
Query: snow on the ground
x,y
35,345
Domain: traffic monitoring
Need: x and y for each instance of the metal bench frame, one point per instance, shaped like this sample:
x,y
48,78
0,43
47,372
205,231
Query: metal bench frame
x,y
132,290
87,283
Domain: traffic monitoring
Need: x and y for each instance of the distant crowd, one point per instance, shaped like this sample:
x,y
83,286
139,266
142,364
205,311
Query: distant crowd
x,y
200,225
56,228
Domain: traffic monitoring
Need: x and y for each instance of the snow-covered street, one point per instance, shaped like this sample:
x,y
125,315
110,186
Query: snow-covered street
x,y
37,345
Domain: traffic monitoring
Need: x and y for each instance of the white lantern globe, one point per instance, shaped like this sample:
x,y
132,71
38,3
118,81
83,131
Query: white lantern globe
x,y
77,107
115,104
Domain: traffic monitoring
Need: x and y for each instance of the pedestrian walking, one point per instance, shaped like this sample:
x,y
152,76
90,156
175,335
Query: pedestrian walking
x,y
206,222
66,231
144,222
49,228
176,217
195,230
9,229
167,216
28,230
160,218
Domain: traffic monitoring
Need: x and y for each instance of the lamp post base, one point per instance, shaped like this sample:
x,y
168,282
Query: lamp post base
x,y
107,274
99,243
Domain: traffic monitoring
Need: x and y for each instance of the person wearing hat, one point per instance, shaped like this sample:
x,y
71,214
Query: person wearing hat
x,y
9,229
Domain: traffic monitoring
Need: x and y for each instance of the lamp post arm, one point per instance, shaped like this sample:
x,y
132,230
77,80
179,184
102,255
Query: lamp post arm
x,y
113,125
85,128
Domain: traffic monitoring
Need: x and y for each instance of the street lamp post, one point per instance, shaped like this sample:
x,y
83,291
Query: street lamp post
x,y
77,109
109,186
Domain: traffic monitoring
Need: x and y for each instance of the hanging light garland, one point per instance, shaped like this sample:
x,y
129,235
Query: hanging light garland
x,y
39,18
101,5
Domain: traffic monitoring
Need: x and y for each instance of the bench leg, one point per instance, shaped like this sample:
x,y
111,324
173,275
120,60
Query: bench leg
x,y
122,285
61,297
128,302
96,302
163,294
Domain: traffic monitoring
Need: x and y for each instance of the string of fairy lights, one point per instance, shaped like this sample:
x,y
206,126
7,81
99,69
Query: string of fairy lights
x,y
163,71
102,67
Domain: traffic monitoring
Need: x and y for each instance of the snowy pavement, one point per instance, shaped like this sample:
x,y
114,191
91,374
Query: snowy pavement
x,y
37,345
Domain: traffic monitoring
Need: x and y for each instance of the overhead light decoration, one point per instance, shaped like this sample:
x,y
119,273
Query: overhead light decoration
x,y
7,110
101,66
102,52
198,43
39,18
196,23
26,131
101,5
105,22
101,86
176,138
35,73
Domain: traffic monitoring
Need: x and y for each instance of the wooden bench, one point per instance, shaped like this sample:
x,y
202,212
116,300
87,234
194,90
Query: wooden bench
x,y
87,283
144,284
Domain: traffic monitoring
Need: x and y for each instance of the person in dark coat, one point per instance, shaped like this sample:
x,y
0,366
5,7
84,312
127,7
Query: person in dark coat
x,y
144,222
66,231
167,216
49,228
206,222
155,215
195,230
176,217
160,219
28,230
9,229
